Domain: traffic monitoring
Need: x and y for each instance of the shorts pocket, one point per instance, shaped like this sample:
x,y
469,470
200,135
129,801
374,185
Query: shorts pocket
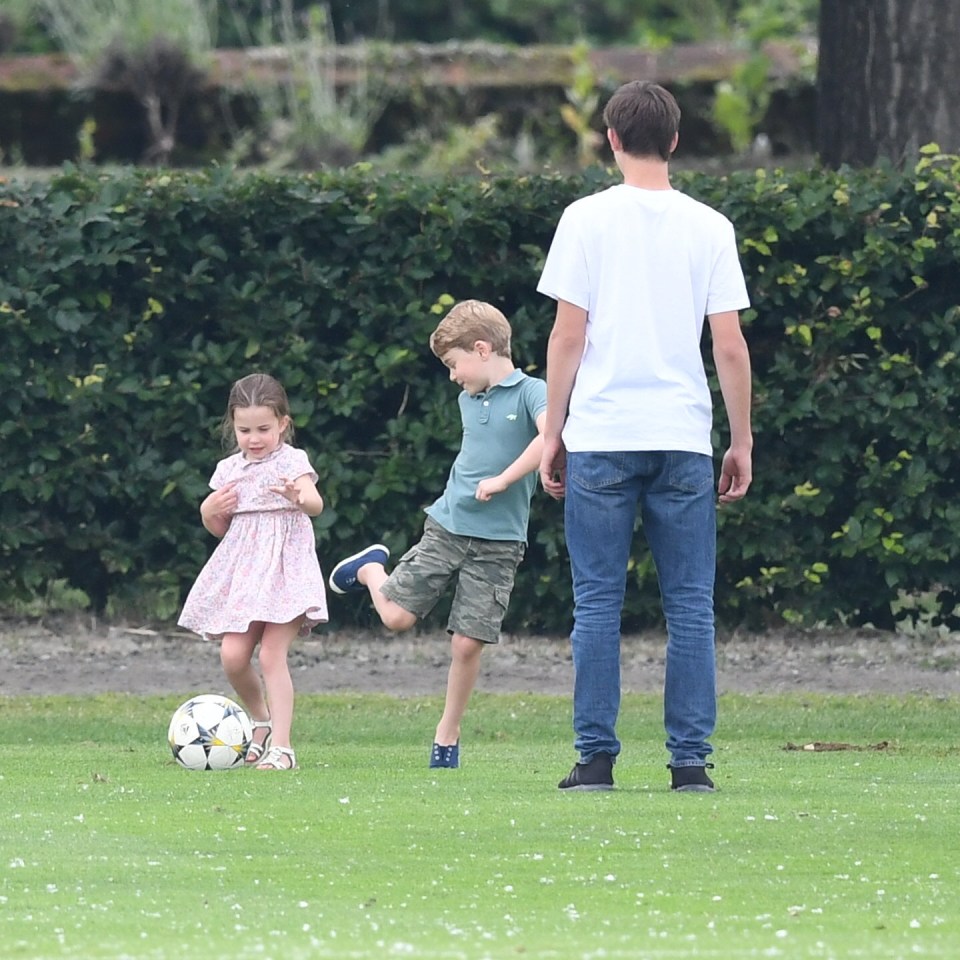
x,y
501,597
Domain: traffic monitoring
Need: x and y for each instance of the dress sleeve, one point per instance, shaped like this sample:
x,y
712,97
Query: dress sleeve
x,y
298,464
221,475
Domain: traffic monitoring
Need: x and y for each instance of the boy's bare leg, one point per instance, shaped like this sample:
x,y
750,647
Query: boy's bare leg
x,y
393,616
464,669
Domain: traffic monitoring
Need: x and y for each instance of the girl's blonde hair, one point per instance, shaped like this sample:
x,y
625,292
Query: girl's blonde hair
x,y
470,321
256,390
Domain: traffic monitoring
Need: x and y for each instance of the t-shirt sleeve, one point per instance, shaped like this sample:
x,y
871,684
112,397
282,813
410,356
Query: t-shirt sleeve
x,y
728,289
565,275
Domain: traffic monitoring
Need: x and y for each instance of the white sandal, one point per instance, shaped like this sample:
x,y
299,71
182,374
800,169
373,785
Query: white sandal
x,y
256,750
279,758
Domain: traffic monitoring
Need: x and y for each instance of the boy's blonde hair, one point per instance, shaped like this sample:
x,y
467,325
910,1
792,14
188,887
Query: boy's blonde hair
x,y
470,321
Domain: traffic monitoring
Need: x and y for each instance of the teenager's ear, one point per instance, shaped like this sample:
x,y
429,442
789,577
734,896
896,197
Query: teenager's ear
x,y
676,140
614,140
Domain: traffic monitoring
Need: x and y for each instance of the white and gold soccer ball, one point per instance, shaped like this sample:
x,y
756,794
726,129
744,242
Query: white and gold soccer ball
x,y
210,732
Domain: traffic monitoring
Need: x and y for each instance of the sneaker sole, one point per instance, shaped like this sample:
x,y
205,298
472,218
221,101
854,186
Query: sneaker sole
x,y
346,560
584,787
695,788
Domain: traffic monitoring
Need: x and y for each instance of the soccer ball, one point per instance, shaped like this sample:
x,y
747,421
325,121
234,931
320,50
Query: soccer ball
x,y
210,732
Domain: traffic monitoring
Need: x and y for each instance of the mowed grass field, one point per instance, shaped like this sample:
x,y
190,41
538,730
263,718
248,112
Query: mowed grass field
x,y
110,850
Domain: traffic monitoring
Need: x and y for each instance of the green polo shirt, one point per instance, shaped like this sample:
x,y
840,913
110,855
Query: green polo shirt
x,y
497,427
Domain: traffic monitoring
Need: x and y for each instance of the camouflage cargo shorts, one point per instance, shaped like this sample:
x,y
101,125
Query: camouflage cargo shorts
x,y
484,571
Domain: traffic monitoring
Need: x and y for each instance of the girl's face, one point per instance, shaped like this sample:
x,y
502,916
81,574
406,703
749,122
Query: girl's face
x,y
259,431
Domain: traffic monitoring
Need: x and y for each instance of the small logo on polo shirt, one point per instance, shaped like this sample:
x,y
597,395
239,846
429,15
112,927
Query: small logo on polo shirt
x,y
511,416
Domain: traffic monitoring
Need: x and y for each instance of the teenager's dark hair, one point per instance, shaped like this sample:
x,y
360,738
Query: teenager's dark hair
x,y
257,390
645,117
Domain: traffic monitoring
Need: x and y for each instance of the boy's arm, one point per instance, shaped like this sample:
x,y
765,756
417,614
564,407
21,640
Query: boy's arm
x,y
732,359
527,462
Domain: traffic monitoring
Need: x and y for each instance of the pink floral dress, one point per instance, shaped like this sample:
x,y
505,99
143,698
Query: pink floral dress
x,y
265,568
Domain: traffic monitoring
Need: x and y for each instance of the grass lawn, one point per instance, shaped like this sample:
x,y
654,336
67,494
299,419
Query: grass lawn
x,y
108,849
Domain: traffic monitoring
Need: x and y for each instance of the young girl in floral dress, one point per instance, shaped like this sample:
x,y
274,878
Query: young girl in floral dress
x,y
263,584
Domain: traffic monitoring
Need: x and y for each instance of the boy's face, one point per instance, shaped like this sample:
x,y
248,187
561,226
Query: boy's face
x,y
469,368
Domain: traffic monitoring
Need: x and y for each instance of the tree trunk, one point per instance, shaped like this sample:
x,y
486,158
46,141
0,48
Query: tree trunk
x,y
888,79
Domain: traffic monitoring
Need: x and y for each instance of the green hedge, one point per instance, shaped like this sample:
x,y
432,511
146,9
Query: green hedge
x,y
130,302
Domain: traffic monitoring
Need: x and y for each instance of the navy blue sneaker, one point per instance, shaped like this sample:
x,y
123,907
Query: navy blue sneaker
x,y
343,578
691,779
445,756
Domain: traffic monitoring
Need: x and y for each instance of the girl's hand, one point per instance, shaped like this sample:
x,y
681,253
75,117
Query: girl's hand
x,y
302,493
289,491
222,502
218,509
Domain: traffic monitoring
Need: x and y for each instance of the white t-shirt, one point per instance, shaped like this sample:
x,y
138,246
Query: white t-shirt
x,y
648,266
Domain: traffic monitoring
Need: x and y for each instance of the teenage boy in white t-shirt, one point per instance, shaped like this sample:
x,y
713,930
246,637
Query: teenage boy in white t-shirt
x,y
635,269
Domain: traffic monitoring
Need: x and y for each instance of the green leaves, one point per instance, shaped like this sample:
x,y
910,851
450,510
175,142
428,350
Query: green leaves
x,y
129,303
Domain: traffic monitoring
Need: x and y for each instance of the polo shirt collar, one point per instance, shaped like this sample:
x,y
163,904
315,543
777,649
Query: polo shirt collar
x,y
509,381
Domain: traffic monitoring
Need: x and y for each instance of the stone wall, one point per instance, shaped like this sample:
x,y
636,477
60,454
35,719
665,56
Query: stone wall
x,y
44,101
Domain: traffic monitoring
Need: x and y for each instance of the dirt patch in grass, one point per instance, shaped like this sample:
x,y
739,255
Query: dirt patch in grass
x,y
72,656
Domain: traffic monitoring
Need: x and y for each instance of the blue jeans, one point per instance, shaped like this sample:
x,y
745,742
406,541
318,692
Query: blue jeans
x,y
675,496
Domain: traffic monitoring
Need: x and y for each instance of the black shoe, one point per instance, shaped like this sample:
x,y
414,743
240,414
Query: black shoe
x,y
691,779
595,774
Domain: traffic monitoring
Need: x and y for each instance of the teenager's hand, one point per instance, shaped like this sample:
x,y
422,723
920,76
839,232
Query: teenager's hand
x,y
736,472
490,487
553,467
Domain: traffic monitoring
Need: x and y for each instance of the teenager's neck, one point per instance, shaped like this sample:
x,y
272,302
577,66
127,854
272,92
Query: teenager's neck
x,y
645,173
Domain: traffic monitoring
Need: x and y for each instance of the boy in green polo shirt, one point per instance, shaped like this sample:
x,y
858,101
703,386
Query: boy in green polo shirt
x,y
476,532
